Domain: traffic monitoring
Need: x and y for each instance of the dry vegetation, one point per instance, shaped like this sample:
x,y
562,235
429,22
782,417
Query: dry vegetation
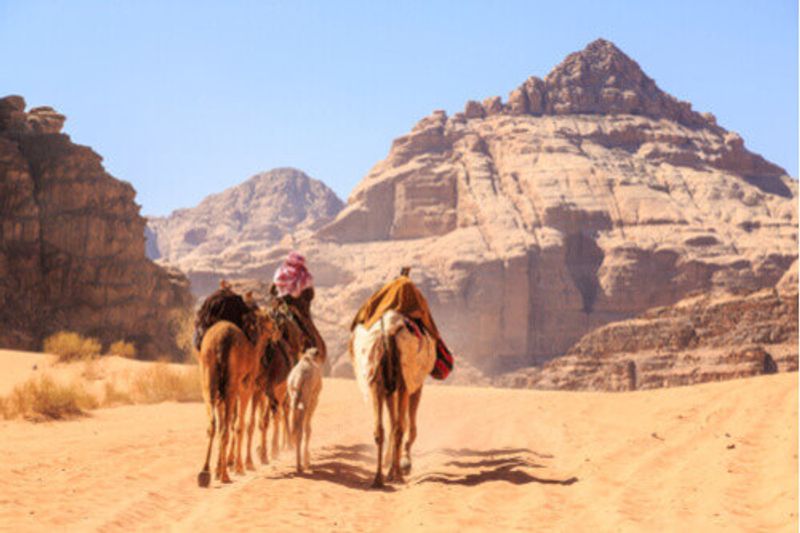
x,y
123,349
43,398
160,383
71,346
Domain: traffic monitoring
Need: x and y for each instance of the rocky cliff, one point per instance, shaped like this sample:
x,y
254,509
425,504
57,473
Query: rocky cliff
x,y
709,337
588,197
228,233
72,244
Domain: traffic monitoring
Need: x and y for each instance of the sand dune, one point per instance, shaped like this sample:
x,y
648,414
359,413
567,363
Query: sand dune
x,y
714,456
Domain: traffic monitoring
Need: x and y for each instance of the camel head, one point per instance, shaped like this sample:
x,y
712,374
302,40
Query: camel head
x,y
313,354
266,325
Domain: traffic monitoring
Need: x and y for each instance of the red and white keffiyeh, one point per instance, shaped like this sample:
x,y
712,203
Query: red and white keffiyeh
x,y
292,277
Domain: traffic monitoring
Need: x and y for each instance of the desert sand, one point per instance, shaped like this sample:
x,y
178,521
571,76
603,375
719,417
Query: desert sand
x,y
706,457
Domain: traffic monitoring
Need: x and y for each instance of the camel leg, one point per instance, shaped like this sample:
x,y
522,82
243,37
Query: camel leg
x,y
204,477
244,396
225,411
413,405
250,429
307,432
232,423
263,422
276,433
398,407
377,408
267,416
287,437
297,435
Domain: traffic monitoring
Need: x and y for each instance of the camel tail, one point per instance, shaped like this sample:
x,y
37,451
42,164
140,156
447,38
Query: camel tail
x,y
223,355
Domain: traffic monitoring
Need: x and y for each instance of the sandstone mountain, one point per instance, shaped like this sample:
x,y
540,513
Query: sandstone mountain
x,y
587,198
72,244
226,233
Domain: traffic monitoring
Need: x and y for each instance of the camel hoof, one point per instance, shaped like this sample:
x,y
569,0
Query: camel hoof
x,y
226,478
239,471
405,466
378,483
250,465
204,479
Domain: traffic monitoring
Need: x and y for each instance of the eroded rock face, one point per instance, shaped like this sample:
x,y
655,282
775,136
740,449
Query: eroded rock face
x,y
72,247
703,338
588,198
228,232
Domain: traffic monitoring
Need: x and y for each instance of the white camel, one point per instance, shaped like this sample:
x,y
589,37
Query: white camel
x,y
391,360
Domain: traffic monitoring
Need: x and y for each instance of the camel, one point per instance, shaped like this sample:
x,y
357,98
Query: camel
x,y
391,362
229,365
305,384
269,397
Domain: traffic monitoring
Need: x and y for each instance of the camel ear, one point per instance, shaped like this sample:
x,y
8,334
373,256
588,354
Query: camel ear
x,y
248,295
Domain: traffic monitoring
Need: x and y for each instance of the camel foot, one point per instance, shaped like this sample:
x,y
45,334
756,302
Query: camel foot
x,y
226,478
239,470
405,465
299,470
249,464
395,477
378,482
204,479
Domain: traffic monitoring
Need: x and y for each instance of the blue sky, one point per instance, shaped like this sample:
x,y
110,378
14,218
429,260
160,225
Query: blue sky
x,y
183,99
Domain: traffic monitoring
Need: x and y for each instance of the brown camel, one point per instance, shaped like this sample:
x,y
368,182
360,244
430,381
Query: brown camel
x,y
391,362
229,365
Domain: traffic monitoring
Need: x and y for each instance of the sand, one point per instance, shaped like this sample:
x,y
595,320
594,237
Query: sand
x,y
708,457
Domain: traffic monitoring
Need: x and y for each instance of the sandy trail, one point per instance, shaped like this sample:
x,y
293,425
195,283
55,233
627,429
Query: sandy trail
x,y
714,456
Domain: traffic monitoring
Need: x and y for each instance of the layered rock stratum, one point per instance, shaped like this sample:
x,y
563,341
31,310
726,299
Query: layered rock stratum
x,y
586,198
72,244
228,233
708,337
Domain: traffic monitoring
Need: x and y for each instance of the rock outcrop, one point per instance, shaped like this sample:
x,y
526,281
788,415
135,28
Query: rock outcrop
x,y
229,232
710,337
72,244
589,197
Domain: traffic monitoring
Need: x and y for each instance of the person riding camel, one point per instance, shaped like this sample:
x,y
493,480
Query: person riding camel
x,y
402,296
293,285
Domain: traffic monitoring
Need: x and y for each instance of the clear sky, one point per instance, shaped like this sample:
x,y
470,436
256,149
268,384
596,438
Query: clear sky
x,y
183,99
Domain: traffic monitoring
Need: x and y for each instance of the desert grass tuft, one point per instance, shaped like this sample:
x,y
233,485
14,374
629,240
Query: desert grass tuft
x,y
43,398
160,383
123,349
113,396
71,346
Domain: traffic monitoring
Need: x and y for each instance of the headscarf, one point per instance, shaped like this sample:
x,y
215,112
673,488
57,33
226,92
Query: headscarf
x,y
292,277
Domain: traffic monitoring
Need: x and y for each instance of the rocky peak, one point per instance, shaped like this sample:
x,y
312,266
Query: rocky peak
x,y
225,228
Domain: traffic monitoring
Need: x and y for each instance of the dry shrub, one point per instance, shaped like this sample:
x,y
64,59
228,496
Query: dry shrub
x,y
71,346
123,349
113,396
160,383
92,371
44,399
181,324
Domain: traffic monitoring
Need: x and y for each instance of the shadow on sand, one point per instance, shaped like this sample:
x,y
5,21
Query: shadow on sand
x,y
353,467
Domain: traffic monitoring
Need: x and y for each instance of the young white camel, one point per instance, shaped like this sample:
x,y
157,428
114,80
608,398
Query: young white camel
x,y
305,384
390,363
